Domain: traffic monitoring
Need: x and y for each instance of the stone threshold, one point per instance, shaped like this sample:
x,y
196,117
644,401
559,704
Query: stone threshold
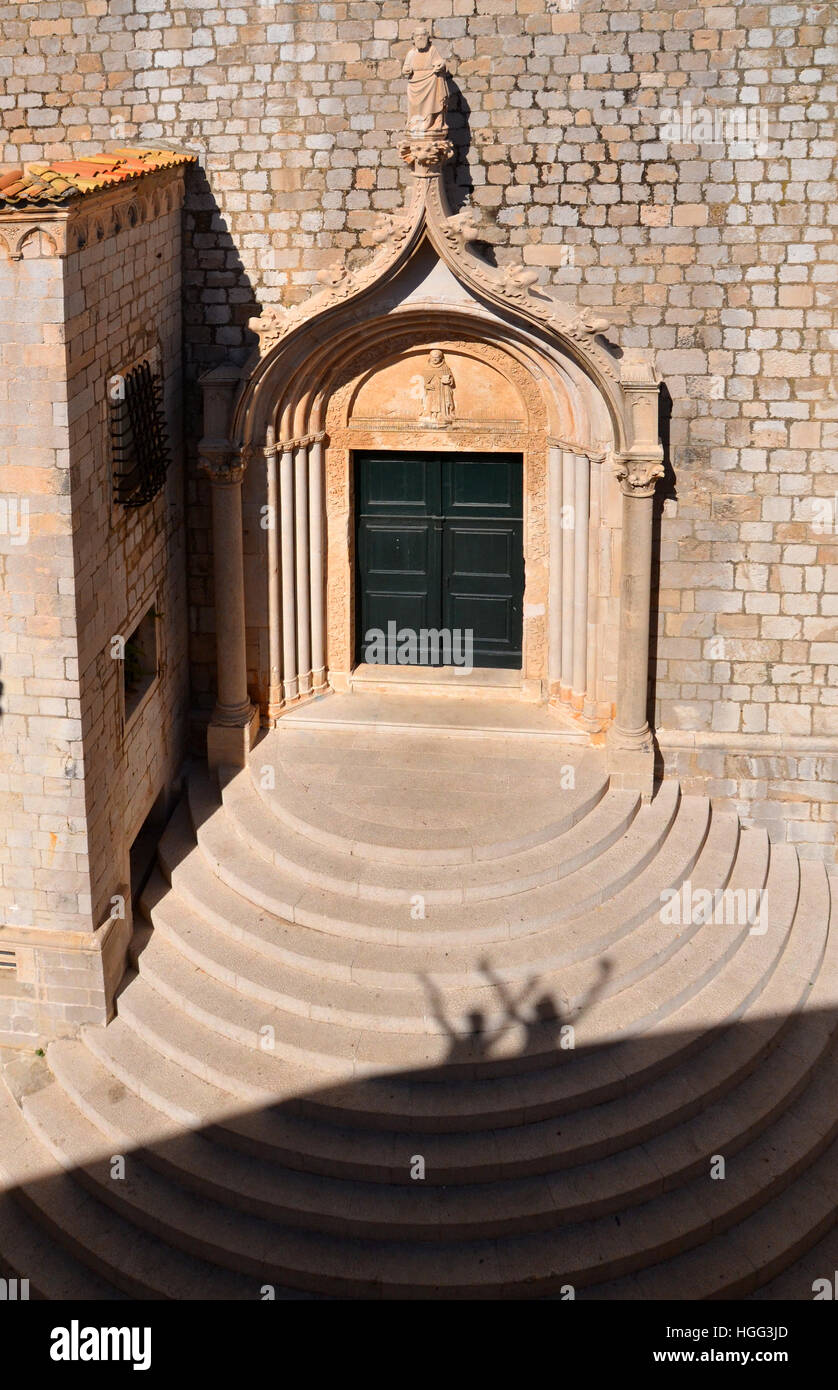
x,y
445,681
427,713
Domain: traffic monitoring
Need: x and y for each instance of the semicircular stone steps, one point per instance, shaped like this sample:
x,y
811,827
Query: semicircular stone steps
x,y
562,1045
282,998
457,807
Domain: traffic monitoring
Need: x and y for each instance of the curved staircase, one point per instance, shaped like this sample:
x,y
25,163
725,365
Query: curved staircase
x,y
376,953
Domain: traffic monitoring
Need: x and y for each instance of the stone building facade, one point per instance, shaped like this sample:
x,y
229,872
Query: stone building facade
x,y
720,255
667,172
91,281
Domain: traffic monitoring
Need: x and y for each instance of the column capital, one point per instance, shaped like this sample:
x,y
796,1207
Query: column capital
x,y
290,446
223,464
638,476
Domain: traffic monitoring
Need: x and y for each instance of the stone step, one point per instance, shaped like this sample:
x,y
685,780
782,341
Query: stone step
x,y
460,806
400,1002
265,887
196,1088
28,1252
580,1254
109,1249
403,1209
803,1280
594,1072
487,831
756,1258
343,871
320,1034
378,964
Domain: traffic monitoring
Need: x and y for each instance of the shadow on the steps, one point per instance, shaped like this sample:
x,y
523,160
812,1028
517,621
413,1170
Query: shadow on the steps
x,y
599,1169
521,1146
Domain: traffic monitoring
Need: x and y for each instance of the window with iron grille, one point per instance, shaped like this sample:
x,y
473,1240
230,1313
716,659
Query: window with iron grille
x,y
139,439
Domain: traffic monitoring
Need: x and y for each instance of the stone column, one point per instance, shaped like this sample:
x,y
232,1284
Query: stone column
x,y
556,539
275,700
630,743
568,570
290,684
581,526
301,537
235,721
316,564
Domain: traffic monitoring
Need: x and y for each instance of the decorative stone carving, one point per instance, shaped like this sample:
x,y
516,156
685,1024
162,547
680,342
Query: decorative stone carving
x,y
33,238
269,327
520,405
223,467
427,87
517,281
390,229
466,226
426,155
275,324
638,477
594,321
335,275
439,407
512,284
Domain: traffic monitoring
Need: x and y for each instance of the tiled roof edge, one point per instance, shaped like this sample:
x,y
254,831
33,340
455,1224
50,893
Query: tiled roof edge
x,y
63,181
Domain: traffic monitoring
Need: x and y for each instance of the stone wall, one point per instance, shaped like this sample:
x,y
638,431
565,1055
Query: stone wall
x,y
123,303
722,255
77,781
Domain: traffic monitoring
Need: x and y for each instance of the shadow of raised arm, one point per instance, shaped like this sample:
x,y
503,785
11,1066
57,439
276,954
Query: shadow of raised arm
x,y
511,1006
437,1006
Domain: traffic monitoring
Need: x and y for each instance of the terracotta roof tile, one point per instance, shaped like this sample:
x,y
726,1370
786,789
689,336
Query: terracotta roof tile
x,y
59,183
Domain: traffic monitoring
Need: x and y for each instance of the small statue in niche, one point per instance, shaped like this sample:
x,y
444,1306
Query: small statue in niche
x,y
427,87
439,390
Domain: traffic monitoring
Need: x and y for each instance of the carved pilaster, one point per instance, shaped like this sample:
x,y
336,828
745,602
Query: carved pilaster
x,y
235,722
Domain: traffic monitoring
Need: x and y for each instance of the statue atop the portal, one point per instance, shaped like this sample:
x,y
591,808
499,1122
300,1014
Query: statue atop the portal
x,y
439,390
427,87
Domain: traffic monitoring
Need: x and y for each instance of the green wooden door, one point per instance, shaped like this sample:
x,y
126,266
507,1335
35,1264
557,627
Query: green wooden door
x,y
440,546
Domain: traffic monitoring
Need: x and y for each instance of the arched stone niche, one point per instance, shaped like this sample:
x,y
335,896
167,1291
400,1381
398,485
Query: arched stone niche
x,y
505,400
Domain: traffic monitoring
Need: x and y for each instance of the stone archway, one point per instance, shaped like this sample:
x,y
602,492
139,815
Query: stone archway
x,y
280,434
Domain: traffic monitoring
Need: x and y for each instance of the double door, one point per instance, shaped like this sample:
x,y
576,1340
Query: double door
x,y
440,547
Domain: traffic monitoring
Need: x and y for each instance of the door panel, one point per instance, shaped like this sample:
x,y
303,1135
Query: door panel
x,y
440,545
486,485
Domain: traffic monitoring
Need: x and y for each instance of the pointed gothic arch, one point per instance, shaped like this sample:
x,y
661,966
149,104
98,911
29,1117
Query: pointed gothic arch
x,y
280,434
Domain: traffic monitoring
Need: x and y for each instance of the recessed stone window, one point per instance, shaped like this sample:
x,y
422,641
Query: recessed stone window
x,y
140,663
140,452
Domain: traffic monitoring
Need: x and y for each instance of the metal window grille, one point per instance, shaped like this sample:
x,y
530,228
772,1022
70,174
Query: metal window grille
x,y
139,439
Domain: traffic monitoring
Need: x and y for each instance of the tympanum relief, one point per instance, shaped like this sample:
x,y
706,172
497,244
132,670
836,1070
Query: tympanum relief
x,y
438,389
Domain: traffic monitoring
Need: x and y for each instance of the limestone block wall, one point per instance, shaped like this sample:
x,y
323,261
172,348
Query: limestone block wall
x,y
76,571
123,303
44,881
721,252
